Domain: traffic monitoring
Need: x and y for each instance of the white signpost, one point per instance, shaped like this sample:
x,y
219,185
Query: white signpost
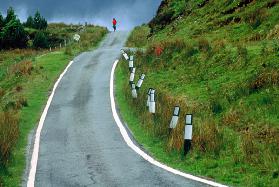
x,y
76,37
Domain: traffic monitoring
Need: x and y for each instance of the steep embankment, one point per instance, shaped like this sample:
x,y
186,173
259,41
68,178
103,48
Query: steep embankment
x,y
219,61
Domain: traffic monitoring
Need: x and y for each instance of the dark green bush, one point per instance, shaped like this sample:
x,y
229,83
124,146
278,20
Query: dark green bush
x,y
40,41
216,106
13,35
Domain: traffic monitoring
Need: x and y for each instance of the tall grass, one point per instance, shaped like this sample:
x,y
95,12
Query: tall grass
x,y
9,132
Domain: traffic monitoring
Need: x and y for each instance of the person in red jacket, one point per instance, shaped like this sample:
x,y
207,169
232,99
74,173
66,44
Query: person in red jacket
x,y
114,22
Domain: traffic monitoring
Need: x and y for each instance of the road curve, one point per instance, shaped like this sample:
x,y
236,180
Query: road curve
x,y
80,143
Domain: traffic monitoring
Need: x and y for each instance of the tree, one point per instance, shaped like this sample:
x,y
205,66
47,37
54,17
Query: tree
x,y
29,22
1,27
13,35
10,15
1,22
39,22
40,40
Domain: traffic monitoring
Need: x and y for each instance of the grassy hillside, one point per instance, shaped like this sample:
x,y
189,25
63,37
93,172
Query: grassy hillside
x,y
26,79
219,61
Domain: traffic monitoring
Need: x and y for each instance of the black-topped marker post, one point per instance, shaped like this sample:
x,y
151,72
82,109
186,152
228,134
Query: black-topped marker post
x,y
125,54
131,63
132,76
188,133
140,81
152,103
174,119
134,91
148,97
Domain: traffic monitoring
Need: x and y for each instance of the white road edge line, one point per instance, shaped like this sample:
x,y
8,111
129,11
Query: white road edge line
x,y
137,149
35,154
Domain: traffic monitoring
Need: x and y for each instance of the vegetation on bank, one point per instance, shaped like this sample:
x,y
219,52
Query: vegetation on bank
x,y
138,36
26,78
219,61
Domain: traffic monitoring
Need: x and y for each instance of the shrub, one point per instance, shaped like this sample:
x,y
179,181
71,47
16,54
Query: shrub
x,y
242,53
40,41
256,18
22,68
13,35
274,33
189,51
2,92
18,88
208,138
203,45
216,106
138,37
249,147
232,118
265,79
68,50
9,132
21,102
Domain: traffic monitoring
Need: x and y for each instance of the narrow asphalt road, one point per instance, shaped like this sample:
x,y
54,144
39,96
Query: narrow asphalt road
x,y
80,143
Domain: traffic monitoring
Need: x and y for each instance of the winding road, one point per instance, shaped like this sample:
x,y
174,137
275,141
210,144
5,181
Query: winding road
x,y
80,143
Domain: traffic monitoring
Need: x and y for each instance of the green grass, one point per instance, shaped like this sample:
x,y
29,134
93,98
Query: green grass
x,y
223,168
46,67
36,93
137,37
223,68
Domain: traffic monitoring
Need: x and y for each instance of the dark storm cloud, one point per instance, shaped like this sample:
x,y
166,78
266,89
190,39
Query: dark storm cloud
x,y
128,12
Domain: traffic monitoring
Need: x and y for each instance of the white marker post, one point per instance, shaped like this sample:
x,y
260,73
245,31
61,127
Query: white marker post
x,y
174,119
131,63
188,133
134,91
132,76
148,97
49,48
124,54
140,81
152,103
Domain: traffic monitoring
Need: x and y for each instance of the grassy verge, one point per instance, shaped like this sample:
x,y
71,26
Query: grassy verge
x,y
217,60
225,166
138,37
26,81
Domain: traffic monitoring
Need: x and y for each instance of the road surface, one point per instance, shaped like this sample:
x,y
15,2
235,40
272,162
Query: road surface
x,y
80,143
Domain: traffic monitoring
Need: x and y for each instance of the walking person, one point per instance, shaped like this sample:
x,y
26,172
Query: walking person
x,y
114,22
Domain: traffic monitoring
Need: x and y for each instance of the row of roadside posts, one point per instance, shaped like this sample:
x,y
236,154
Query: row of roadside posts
x,y
76,38
60,45
151,104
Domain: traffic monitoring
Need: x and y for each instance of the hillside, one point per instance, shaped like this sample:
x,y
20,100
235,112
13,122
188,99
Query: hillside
x,y
219,61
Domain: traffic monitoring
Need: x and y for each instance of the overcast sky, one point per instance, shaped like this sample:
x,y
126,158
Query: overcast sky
x,y
129,13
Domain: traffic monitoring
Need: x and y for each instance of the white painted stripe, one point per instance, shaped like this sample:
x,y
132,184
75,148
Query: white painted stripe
x,y
35,154
188,132
137,149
